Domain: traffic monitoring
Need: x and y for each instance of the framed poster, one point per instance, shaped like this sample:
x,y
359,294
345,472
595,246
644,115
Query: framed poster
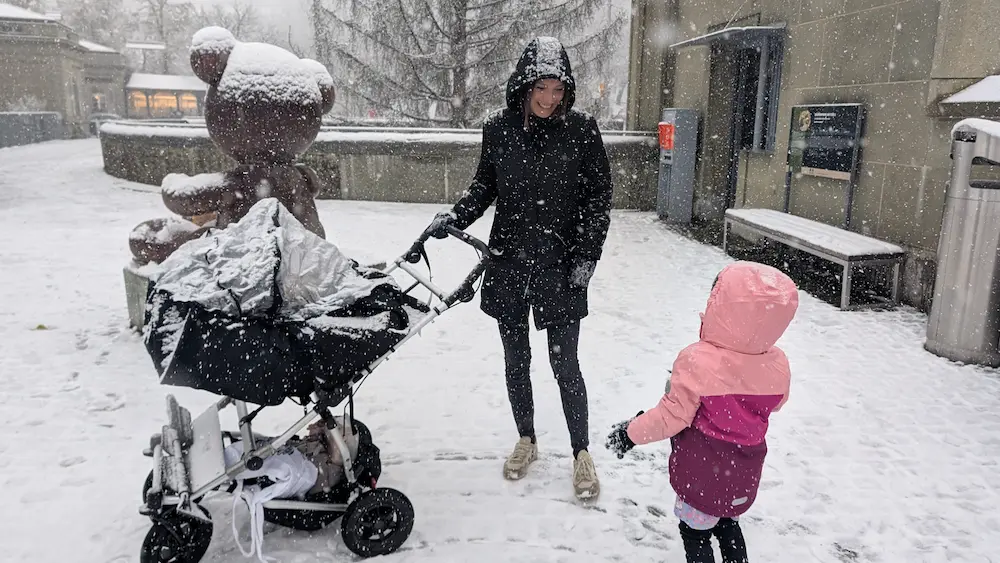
x,y
824,141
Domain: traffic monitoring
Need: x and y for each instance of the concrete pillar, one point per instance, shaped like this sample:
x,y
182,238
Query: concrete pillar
x,y
651,62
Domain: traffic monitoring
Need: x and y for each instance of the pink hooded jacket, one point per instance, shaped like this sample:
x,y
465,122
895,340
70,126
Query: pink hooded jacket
x,y
723,389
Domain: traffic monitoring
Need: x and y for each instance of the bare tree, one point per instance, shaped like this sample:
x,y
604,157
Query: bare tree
x,y
241,18
169,22
33,5
445,62
102,21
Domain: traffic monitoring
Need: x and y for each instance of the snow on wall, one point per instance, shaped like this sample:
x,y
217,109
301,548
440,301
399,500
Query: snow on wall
x,y
355,135
10,12
175,131
96,48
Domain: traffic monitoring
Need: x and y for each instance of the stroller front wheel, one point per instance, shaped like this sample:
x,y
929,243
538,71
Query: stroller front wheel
x,y
177,538
378,522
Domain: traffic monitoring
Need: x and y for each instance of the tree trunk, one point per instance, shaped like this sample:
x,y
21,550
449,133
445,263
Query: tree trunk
x,y
460,61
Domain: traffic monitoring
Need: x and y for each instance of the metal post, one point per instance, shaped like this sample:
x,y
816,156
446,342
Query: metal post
x,y
245,429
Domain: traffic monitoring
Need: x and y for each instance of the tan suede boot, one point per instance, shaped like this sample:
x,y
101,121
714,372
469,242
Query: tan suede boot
x,y
516,466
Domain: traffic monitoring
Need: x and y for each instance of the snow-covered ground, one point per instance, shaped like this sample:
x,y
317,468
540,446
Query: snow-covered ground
x,y
884,452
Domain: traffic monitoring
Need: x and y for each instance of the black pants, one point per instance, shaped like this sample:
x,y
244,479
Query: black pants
x,y
563,343
698,543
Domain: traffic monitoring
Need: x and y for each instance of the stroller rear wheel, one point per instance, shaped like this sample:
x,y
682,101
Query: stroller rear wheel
x,y
377,523
177,538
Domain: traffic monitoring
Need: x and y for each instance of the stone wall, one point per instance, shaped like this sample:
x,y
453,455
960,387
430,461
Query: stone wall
x,y
404,165
23,128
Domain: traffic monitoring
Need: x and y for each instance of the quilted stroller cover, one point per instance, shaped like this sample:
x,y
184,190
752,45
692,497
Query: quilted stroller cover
x,y
264,310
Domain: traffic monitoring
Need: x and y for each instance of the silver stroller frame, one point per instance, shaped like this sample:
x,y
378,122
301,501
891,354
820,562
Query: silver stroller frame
x,y
188,461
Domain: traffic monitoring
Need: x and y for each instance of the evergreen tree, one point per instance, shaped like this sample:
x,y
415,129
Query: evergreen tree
x,y
446,62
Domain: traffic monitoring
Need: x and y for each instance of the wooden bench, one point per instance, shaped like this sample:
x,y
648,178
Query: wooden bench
x,y
839,246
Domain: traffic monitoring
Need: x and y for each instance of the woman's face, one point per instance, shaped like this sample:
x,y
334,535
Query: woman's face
x,y
546,95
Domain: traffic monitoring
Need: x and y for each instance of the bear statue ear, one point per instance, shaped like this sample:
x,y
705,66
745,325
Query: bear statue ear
x,y
210,50
329,97
323,80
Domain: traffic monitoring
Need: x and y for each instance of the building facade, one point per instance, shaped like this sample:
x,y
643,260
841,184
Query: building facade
x,y
158,96
914,66
47,67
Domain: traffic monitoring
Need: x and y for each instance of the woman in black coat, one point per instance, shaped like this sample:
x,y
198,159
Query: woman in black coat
x,y
545,167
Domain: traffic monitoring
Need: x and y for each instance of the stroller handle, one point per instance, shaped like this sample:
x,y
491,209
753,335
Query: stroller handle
x,y
413,254
466,290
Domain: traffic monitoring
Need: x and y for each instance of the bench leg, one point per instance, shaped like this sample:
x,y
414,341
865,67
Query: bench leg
x,y
725,237
845,288
895,283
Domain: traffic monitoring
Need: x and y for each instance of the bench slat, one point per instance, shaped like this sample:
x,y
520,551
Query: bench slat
x,y
820,236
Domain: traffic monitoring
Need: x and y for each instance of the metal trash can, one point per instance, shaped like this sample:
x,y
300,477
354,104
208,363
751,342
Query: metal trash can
x,y
964,324
678,135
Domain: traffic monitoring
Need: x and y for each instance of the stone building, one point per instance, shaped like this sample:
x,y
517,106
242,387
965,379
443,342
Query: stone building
x,y
915,66
44,63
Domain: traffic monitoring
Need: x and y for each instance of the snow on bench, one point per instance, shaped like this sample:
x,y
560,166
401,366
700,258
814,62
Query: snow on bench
x,y
837,245
843,244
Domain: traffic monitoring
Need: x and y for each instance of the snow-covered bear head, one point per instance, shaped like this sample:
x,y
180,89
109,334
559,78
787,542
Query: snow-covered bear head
x,y
264,104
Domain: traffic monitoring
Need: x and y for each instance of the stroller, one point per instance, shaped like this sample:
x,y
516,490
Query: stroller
x,y
289,360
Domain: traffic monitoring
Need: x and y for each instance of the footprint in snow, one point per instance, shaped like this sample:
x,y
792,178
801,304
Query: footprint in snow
x,y
71,461
102,358
107,403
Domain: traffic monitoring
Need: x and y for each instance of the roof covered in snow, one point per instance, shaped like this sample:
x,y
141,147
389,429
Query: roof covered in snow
x,y
984,91
96,48
11,12
172,82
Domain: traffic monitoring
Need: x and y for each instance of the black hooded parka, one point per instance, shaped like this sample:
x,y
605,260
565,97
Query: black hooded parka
x,y
551,182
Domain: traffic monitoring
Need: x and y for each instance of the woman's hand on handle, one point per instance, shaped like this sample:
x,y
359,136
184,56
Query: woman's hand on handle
x,y
441,220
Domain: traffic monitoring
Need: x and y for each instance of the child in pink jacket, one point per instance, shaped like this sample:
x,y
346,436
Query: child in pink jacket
x,y
716,407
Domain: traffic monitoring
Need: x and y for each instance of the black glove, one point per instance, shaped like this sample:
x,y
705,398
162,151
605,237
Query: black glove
x,y
618,441
580,272
441,220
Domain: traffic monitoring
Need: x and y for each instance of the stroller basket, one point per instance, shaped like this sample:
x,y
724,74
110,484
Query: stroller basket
x,y
264,361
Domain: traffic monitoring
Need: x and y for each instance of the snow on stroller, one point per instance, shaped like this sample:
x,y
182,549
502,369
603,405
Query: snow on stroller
x,y
261,312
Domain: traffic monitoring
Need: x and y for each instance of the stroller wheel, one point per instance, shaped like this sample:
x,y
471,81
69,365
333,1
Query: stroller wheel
x,y
377,523
177,538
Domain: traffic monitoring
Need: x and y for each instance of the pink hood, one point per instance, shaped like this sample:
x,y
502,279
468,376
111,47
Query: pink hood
x,y
749,308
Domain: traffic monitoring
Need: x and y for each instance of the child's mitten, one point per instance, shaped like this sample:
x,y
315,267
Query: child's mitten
x,y
618,441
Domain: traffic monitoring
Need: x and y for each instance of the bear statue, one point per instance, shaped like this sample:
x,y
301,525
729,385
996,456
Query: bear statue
x,y
264,108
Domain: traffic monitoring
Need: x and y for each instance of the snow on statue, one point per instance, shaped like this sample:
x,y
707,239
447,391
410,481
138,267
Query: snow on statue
x,y
264,108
